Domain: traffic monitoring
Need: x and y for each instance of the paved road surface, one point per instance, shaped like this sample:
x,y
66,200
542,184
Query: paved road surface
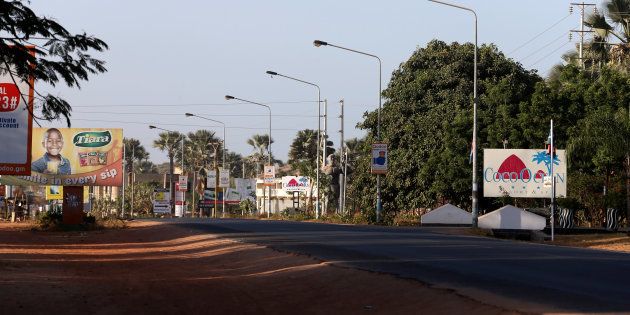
x,y
526,277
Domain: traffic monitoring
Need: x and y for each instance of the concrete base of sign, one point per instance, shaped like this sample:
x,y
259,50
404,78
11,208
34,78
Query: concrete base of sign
x,y
513,218
447,214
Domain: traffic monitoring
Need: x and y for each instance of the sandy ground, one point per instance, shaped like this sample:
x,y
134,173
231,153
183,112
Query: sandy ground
x,y
164,269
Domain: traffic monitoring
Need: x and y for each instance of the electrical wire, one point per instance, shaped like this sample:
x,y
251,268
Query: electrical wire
x,y
543,47
543,32
549,54
181,125
211,115
190,104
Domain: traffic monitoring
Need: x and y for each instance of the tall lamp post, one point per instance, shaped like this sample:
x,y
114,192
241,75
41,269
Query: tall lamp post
x,y
318,43
224,145
475,197
170,178
230,97
319,128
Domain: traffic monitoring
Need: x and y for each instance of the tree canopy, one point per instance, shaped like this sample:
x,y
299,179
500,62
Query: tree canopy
x,y
58,55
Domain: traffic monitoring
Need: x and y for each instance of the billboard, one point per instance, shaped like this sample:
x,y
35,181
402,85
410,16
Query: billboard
x,y
295,183
161,201
74,157
16,123
379,158
522,172
224,178
269,175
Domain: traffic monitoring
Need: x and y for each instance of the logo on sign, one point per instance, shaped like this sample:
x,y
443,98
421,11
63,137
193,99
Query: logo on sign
x,y
92,139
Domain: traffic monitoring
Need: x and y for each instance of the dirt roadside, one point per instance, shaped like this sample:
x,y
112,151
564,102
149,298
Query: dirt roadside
x,y
165,269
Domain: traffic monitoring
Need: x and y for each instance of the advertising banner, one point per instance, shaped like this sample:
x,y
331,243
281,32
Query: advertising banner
x,y
212,179
295,183
56,193
74,157
521,173
269,175
161,201
224,178
379,158
16,123
245,188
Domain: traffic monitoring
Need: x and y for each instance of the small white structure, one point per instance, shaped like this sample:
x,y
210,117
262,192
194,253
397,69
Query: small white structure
x,y
510,217
447,214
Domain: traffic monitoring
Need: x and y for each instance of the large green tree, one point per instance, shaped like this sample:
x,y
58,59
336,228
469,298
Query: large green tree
x,y
427,123
59,55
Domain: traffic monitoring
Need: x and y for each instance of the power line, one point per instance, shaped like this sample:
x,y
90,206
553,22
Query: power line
x,y
543,47
180,125
549,54
543,32
189,104
171,114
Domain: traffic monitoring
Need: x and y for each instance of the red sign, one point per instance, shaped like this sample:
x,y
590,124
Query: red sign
x,y
72,205
9,97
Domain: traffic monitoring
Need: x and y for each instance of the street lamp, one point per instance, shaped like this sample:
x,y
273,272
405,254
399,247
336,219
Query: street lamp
x,y
230,97
224,145
475,201
171,171
318,43
319,128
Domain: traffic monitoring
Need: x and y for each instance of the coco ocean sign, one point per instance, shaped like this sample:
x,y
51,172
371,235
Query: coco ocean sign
x,y
522,172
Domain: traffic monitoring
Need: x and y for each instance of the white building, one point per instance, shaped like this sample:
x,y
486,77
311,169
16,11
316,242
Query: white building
x,y
284,192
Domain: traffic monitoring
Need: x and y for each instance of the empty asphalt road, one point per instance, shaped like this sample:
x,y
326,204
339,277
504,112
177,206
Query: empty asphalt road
x,y
515,275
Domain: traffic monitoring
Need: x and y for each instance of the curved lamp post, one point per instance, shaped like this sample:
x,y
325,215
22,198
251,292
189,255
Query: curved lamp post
x,y
319,128
224,146
475,198
319,43
230,97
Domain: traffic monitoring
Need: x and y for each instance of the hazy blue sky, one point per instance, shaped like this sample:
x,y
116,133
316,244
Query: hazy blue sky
x,y
172,56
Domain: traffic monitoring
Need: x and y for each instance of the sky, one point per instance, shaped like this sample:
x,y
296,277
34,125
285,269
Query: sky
x,y
167,58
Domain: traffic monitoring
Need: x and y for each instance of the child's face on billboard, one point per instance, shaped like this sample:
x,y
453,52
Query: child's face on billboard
x,y
53,143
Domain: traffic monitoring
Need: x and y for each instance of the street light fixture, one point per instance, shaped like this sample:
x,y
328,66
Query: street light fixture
x,y
224,146
475,198
319,129
172,192
319,43
230,97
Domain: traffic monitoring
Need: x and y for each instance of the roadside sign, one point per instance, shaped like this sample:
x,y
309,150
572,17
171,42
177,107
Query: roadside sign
x,y
224,178
212,179
183,183
269,175
379,158
161,201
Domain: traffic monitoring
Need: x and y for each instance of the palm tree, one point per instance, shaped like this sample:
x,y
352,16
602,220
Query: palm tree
x,y
169,143
260,156
197,153
612,24
134,152
146,167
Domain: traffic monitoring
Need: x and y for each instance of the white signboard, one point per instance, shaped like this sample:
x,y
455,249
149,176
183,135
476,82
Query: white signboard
x,y
295,183
224,178
183,183
521,173
161,201
212,179
269,175
16,105
379,158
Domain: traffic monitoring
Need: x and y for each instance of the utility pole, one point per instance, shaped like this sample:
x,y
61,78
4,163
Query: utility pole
x,y
325,144
581,31
341,158
133,178
122,205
